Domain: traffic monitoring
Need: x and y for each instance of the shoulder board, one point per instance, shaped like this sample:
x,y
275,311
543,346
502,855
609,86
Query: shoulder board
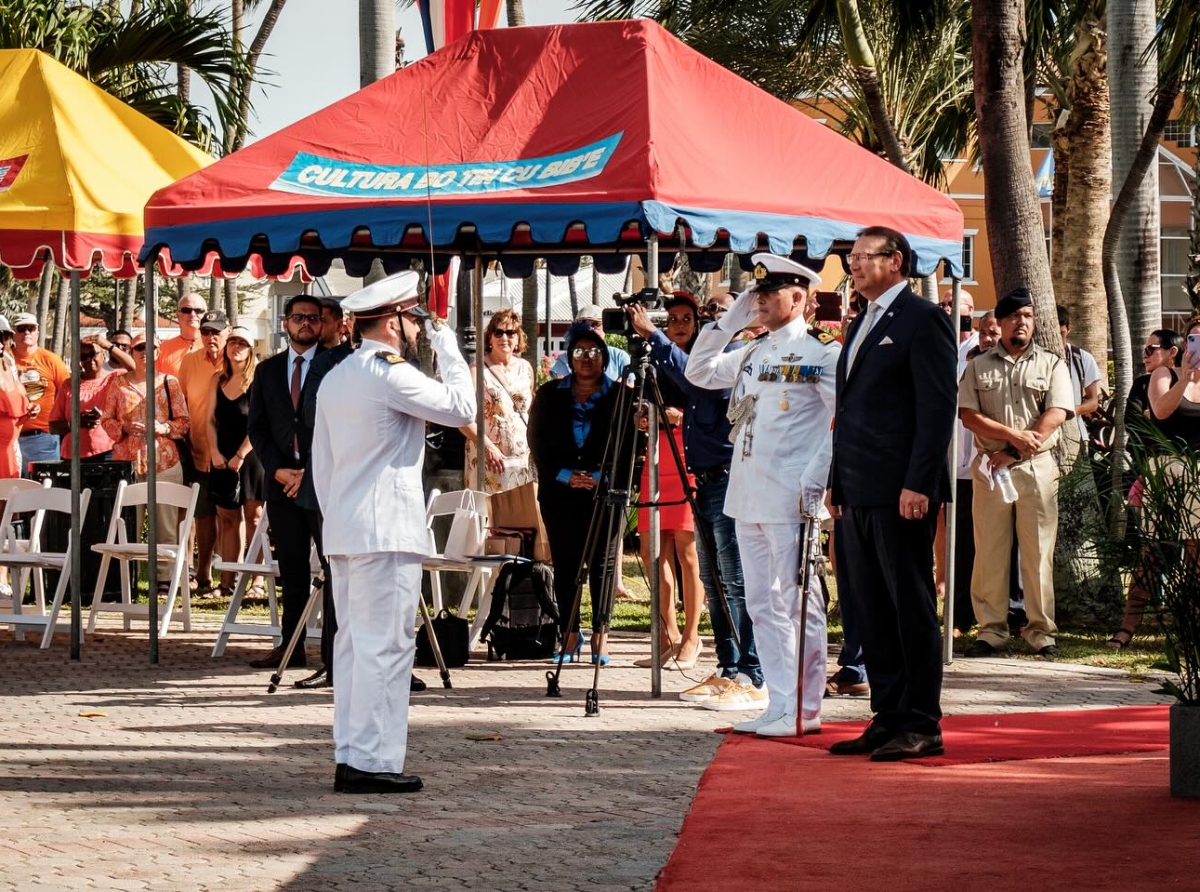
x,y
822,335
389,357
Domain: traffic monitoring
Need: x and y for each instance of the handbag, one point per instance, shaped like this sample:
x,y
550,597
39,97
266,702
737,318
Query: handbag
x,y
466,531
453,636
517,509
182,445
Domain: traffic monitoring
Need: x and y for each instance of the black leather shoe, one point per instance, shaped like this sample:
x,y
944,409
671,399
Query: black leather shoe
x,y
271,660
1050,651
355,781
980,648
909,745
319,679
339,777
870,740
416,685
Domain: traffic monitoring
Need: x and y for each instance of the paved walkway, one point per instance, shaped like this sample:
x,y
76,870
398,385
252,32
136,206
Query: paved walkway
x,y
197,779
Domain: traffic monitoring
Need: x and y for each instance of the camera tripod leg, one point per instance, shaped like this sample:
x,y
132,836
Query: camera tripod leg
x,y
427,622
318,586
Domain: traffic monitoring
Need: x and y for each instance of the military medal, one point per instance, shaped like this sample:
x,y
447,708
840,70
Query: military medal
x,y
783,402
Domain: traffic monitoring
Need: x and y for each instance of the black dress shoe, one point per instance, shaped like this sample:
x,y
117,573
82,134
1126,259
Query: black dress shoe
x,y
339,777
416,684
355,781
319,679
1050,651
871,739
909,745
980,648
271,660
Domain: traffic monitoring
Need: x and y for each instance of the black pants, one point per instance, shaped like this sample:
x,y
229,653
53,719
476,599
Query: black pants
x,y
293,531
964,556
885,568
567,518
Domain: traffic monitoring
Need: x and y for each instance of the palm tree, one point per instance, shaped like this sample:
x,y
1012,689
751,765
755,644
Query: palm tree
x,y
376,40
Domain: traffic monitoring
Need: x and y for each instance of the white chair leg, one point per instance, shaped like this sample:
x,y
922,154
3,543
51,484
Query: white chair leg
x,y
98,594
126,589
231,615
435,588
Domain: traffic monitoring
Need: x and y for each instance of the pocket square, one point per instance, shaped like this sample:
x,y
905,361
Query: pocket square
x,y
886,340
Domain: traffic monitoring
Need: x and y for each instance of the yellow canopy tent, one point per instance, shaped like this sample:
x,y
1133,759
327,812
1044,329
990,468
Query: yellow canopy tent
x,y
76,169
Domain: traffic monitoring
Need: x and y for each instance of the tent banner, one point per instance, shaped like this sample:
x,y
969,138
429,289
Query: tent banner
x,y
315,175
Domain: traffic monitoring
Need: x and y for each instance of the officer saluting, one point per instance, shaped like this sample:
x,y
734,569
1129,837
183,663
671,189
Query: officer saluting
x,y
368,447
781,407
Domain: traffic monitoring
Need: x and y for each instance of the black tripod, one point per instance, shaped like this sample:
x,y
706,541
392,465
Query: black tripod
x,y
610,509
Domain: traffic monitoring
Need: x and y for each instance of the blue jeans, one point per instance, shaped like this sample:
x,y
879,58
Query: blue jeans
x,y
40,446
712,524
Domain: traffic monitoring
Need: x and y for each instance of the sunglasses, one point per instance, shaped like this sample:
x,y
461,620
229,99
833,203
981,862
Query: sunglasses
x,y
26,328
300,318
715,309
210,332
138,348
586,352
505,333
1149,350
199,310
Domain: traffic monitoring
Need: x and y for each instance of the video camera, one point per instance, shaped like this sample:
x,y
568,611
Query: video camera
x,y
616,320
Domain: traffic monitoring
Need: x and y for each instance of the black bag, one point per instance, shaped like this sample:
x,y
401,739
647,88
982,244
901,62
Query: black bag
x,y
523,621
453,636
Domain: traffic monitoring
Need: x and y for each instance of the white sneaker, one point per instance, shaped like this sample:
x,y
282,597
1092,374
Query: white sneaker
x,y
752,726
711,687
785,726
738,697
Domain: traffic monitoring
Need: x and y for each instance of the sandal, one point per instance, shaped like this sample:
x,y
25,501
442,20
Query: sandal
x,y
1116,642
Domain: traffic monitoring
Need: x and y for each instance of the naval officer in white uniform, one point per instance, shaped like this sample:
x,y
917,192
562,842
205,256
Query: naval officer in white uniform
x,y
368,446
781,407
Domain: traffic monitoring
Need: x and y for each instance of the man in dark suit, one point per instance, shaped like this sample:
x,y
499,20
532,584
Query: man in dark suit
x,y
282,440
896,398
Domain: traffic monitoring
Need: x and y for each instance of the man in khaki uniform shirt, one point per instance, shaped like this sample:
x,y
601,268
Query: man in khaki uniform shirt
x,y
1014,398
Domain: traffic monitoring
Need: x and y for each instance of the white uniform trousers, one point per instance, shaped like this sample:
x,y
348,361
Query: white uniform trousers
x,y
375,596
770,565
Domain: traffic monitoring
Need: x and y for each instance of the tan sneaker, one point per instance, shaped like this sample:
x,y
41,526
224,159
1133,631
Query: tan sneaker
x,y
738,698
707,689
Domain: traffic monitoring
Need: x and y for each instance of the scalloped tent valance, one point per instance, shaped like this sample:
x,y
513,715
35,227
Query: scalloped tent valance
x,y
552,141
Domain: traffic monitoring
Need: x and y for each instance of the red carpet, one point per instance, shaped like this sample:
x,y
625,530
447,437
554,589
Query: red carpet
x,y
777,819
1027,735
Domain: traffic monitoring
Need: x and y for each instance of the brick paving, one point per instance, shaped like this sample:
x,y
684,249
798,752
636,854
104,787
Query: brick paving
x,y
197,779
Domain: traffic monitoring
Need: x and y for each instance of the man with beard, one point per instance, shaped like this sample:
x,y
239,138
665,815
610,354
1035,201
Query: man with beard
x,y
282,440
1014,398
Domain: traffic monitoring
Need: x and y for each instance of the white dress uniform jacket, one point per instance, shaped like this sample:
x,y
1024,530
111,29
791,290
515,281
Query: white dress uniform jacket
x,y
368,450
790,445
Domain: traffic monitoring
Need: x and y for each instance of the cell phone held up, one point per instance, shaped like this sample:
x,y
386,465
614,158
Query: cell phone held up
x,y
1193,347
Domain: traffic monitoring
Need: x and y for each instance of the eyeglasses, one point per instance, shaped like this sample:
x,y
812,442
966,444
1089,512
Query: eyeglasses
x,y
596,324
209,332
506,333
715,309
1149,349
298,318
862,256
24,328
138,348
199,310
586,352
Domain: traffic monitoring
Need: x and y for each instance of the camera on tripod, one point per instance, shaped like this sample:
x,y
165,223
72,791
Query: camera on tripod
x,y
616,320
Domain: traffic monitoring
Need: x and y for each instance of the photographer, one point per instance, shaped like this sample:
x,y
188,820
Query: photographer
x,y
738,681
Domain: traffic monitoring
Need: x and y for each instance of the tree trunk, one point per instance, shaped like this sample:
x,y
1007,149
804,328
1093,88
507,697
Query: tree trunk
x,y
39,302
184,74
596,281
739,279
1014,220
231,301
1088,187
529,316
1131,26
62,311
862,64
376,40
128,304
237,139
1061,148
574,295
516,13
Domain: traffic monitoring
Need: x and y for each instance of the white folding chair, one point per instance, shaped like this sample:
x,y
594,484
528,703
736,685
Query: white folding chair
x,y
257,562
8,486
465,506
117,547
27,556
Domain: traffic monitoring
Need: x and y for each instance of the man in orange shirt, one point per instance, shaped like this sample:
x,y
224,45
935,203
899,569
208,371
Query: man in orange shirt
x,y
41,373
196,373
192,308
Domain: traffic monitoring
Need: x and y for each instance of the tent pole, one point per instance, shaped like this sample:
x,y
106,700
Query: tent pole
x,y
480,353
951,512
151,312
549,313
76,482
656,618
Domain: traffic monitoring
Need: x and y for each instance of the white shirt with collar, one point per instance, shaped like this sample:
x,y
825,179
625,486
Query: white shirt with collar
x,y
882,303
793,375
307,356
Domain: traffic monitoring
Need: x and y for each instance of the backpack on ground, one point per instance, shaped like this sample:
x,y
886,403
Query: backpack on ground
x,y
523,621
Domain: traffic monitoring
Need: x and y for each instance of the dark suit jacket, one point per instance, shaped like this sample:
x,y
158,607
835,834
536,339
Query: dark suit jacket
x,y
273,423
896,409
552,438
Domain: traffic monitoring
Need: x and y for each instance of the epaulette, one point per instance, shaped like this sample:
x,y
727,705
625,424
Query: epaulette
x,y
822,335
389,357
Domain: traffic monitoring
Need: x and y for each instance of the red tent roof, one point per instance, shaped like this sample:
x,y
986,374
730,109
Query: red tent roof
x,y
588,136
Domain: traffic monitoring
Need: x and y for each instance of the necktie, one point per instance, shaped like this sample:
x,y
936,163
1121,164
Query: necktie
x,y
862,335
296,399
